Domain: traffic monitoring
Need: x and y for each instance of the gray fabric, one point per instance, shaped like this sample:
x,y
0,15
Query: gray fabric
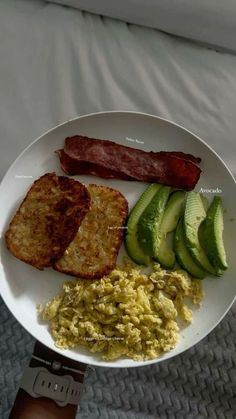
x,y
200,383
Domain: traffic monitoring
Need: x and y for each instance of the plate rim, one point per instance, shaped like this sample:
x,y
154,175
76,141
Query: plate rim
x,y
113,364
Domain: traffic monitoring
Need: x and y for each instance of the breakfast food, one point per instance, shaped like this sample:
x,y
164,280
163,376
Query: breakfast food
x,y
164,254
149,224
213,234
83,155
183,254
194,215
78,230
124,314
94,250
71,167
47,220
198,244
133,247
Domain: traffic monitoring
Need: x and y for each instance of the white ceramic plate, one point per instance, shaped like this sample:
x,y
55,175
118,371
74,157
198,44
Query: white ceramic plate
x,y
23,286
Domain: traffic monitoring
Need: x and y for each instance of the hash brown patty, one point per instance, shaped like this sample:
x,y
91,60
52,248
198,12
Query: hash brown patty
x,y
94,250
47,220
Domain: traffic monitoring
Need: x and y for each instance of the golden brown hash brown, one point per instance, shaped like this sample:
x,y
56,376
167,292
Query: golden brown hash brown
x,y
47,220
94,250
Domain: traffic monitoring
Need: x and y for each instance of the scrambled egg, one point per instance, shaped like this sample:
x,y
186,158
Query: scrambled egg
x,y
126,313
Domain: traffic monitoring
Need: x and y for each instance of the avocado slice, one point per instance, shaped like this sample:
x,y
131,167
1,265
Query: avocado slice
x,y
205,202
174,209
150,221
213,234
133,248
194,215
183,256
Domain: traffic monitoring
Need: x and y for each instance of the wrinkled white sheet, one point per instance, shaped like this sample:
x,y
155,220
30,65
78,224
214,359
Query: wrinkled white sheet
x,y
209,21
57,63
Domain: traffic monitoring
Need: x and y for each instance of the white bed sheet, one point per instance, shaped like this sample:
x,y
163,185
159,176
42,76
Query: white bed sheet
x,y
57,63
208,21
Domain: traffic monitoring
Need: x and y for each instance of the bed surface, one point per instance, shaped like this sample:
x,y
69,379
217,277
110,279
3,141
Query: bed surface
x,y
58,63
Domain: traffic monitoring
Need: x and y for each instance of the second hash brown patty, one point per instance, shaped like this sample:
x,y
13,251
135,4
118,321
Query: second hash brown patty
x,y
94,250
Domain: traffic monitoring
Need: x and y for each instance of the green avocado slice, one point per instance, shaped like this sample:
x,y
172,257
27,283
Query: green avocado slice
x,y
150,221
183,256
133,248
174,209
213,234
194,215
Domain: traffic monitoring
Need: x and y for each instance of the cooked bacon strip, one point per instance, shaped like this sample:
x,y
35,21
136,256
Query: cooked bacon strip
x,y
74,167
181,155
73,144
83,155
